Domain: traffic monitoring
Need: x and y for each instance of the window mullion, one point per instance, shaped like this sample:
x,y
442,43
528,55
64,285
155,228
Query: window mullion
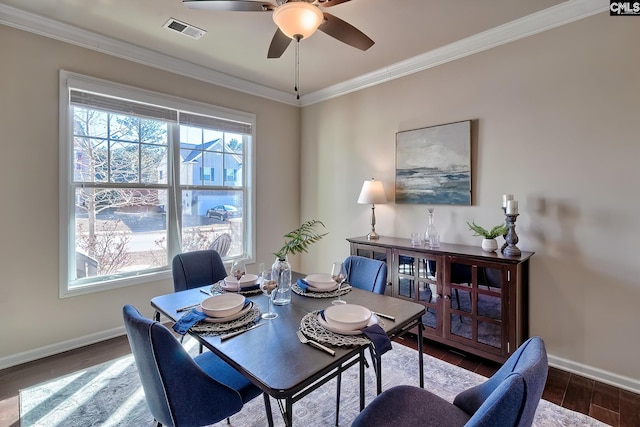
x,y
174,216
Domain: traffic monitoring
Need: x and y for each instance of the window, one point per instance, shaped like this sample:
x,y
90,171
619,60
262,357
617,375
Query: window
x,y
138,185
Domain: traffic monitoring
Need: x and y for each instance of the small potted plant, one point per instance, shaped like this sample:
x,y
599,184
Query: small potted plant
x,y
489,243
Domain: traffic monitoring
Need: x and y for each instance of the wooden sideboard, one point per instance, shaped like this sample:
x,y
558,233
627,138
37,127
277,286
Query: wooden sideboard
x,y
475,301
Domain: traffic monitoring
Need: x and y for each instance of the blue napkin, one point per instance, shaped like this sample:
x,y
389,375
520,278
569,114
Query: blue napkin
x,y
378,336
189,319
302,284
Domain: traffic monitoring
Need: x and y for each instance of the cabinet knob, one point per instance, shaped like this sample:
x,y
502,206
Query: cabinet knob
x,y
447,297
438,295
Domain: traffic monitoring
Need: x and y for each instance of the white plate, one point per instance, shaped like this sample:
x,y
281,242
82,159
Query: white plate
x,y
233,287
320,280
347,316
238,315
223,305
325,325
246,281
314,289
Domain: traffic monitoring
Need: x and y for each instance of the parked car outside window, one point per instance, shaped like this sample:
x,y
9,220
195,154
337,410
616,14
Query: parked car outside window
x,y
224,212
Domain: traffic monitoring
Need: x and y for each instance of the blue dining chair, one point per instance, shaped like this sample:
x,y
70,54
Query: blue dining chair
x,y
366,273
193,270
197,268
181,390
370,275
508,399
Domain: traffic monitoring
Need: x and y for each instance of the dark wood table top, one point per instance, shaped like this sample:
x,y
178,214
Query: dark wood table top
x,y
271,355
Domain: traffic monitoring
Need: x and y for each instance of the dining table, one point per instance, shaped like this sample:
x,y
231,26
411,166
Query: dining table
x,y
273,357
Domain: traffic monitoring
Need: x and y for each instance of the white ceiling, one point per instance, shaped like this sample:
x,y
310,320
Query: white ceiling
x,y
236,43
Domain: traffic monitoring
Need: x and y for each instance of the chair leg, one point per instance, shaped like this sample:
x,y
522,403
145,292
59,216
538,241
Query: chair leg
x,y
267,407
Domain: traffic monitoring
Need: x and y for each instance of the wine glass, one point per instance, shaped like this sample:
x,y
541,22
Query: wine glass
x,y
339,275
238,269
268,285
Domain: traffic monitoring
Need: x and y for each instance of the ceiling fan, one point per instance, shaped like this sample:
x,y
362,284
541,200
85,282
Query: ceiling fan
x,y
296,19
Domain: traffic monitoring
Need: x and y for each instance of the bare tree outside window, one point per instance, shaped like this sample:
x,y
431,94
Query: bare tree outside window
x,y
124,153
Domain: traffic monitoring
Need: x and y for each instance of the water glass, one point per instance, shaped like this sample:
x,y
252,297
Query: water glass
x,y
416,239
267,285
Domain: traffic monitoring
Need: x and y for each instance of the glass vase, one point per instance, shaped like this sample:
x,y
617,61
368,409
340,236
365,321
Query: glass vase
x,y
281,272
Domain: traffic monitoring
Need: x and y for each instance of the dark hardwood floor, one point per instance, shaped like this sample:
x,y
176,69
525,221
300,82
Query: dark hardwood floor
x,y
608,404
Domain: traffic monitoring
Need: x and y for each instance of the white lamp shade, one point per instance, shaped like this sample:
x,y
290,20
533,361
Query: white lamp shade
x,y
372,193
298,19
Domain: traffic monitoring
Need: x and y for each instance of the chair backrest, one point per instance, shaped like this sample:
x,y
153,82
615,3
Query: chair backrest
x,y
177,390
366,273
222,244
195,269
518,387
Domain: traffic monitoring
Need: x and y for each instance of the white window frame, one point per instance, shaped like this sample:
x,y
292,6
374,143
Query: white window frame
x,y
68,81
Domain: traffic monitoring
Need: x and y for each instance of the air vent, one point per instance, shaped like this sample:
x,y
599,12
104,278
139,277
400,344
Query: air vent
x,y
184,28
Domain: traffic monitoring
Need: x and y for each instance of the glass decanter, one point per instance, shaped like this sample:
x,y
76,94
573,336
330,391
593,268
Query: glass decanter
x,y
431,236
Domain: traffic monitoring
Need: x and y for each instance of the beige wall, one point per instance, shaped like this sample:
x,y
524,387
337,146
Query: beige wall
x,y
555,123
34,319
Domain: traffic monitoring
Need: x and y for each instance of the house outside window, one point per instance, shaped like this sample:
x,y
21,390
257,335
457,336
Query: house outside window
x,y
138,183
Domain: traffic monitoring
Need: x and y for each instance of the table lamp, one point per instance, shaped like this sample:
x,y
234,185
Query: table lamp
x,y
372,193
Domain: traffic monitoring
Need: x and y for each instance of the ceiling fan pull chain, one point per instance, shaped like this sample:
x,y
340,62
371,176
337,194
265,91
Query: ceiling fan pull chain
x,y
297,86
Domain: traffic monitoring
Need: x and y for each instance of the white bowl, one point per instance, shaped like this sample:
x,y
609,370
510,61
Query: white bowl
x,y
222,305
320,281
247,281
347,317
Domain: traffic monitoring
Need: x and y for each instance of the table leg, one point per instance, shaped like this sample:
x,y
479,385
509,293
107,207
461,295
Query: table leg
x,y
339,381
420,354
362,361
378,365
288,413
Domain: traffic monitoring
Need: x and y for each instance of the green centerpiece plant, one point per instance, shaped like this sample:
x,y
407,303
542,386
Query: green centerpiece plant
x,y
489,242
297,241
300,239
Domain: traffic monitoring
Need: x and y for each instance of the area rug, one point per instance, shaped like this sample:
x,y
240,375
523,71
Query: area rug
x,y
110,395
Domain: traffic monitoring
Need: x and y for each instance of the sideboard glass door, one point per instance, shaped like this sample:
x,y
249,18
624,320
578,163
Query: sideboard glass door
x,y
474,297
417,280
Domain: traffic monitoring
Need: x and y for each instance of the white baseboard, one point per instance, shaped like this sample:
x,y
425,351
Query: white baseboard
x,y
50,350
626,383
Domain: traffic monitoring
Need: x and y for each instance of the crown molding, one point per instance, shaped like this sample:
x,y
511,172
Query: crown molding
x,y
50,28
556,16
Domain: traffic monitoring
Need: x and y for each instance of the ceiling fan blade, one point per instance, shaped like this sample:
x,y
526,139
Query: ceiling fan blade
x,y
329,3
230,5
345,32
279,44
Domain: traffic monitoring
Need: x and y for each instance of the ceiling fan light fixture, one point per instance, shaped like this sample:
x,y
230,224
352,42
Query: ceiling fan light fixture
x,y
297,18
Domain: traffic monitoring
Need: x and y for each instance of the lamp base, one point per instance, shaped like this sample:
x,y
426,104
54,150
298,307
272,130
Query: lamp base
x,y
373,235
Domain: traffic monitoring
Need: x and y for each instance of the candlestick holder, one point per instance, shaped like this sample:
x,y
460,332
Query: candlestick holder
x,y
504,236
512,237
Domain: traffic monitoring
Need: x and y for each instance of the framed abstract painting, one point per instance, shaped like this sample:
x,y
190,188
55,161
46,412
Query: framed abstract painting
x,y
433,165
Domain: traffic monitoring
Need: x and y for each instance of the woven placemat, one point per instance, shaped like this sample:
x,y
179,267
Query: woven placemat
x,y
311,327
240,324
333,294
